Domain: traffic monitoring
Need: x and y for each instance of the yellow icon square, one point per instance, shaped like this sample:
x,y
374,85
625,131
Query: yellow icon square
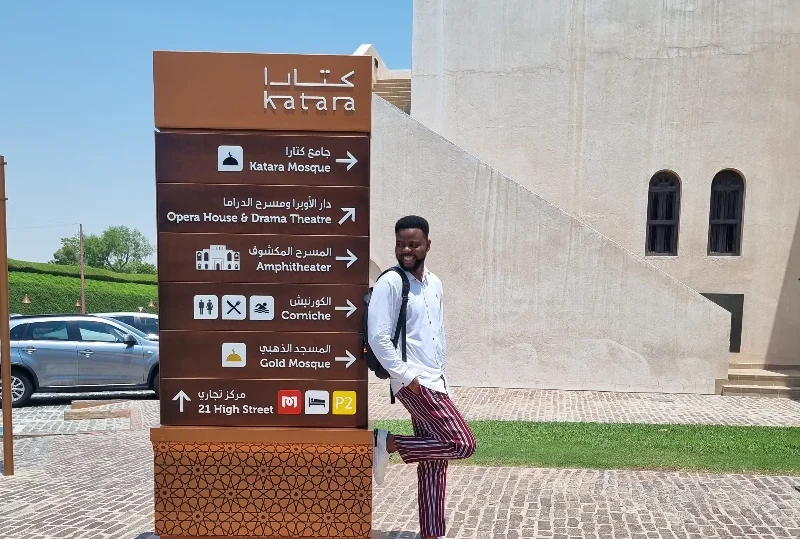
x,y
344,402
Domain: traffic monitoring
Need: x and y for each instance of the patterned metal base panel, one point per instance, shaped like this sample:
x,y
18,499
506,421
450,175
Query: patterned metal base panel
x,y
262,490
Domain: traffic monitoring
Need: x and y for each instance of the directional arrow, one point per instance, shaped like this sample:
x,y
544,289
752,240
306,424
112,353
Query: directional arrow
x,y
350,160
350,256
350,359
180,398
349,213
350,309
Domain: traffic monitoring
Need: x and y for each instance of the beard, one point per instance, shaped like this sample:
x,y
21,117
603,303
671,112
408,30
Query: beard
x,y
414,267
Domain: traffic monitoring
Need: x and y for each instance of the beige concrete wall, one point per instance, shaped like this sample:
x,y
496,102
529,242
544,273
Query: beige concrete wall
x,y
582,102
533,297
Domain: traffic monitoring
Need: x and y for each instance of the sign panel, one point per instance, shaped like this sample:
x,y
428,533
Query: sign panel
x,y
263,159
261,307
256,209
263,403
263,258
262,355
276,92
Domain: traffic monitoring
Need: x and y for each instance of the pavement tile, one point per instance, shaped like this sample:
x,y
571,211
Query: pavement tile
x,y
98,482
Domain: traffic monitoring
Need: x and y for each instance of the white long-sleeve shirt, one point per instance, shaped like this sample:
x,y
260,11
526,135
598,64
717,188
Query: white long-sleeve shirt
x,y
426,346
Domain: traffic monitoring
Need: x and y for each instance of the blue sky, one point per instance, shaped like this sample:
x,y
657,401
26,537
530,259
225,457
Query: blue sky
x,y
76,99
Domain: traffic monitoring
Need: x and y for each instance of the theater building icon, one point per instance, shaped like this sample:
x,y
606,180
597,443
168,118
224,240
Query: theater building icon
x,y
217,258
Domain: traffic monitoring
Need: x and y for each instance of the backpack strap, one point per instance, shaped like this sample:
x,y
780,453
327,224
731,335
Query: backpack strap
x,y
401,319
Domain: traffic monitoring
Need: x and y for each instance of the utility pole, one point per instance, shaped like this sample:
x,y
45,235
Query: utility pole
x,y
5,320
83,285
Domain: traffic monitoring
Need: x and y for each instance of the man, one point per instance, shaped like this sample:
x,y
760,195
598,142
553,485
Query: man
x,y
440,432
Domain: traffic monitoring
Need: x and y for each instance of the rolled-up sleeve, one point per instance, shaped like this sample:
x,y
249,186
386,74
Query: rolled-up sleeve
x,y
384,308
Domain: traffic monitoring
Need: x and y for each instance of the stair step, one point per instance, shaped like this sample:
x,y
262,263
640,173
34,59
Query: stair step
x,y
401,86
761,391
768,381
766,378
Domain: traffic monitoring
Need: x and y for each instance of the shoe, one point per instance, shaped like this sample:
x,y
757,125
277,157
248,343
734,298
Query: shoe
x,y
380,456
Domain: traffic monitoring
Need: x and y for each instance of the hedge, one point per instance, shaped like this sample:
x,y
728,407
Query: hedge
x,y
53,293
75,271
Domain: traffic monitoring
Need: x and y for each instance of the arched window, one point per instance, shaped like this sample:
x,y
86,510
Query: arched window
x,y
725,217
663,212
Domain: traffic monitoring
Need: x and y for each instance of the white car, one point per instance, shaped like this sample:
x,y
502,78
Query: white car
x,y
147,323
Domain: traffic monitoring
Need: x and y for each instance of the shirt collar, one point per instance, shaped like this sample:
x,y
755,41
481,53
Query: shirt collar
x,y
412,276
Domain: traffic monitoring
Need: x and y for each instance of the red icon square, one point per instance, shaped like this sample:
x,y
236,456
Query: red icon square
x,y
290,401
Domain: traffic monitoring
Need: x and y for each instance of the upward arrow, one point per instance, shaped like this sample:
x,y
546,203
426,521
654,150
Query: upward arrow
x,y
180,398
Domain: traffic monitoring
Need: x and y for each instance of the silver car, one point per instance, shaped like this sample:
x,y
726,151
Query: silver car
x,y
147,323
79,353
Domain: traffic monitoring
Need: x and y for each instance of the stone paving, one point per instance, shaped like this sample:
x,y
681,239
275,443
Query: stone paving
x,y
99,484
606,407
516,503
45,416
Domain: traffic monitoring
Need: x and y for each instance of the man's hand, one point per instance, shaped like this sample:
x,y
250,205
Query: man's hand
x,y
414,387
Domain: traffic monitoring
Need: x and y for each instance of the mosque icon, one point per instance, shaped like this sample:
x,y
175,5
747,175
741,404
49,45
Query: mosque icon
x,y
234,354
230,159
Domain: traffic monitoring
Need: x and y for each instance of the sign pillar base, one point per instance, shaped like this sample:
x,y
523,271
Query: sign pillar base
x,y
262,482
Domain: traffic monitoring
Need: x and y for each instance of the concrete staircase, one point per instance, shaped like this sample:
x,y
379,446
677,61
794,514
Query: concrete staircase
x,y
395,91
758,381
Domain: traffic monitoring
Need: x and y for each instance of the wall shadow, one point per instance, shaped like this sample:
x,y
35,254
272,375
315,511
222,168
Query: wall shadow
x,y
784,343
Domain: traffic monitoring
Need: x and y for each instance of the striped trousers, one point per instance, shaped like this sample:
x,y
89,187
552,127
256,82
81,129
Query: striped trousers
x,y
440,434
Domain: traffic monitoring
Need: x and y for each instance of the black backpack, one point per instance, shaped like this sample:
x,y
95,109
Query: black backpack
x,y
372,362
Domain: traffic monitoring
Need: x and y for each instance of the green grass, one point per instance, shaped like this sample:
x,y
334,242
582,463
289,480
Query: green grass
x,y
58,294
771,450
74,271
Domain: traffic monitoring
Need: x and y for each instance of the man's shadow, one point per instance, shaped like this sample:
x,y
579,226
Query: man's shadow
x,y
394,534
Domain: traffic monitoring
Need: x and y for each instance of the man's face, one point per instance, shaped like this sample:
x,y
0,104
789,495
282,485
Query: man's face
x,y
410,248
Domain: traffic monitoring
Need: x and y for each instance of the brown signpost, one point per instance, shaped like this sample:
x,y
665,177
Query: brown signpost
x,y
262,209
262,355
262,187
276,92
261,307
232,258
265,403
266,159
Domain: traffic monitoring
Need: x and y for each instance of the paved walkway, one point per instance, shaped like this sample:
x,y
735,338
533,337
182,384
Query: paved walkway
x,y
516,503
45,416
606,407
99,484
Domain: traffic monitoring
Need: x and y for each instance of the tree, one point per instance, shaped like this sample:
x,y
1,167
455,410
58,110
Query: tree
x,y
118,248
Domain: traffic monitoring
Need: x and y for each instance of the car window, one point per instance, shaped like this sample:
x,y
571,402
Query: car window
x,y
127,328
148,325
48,331
99,332
18,331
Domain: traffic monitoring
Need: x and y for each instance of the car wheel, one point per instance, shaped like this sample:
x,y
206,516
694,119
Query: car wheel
x,y
21,389
155,384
